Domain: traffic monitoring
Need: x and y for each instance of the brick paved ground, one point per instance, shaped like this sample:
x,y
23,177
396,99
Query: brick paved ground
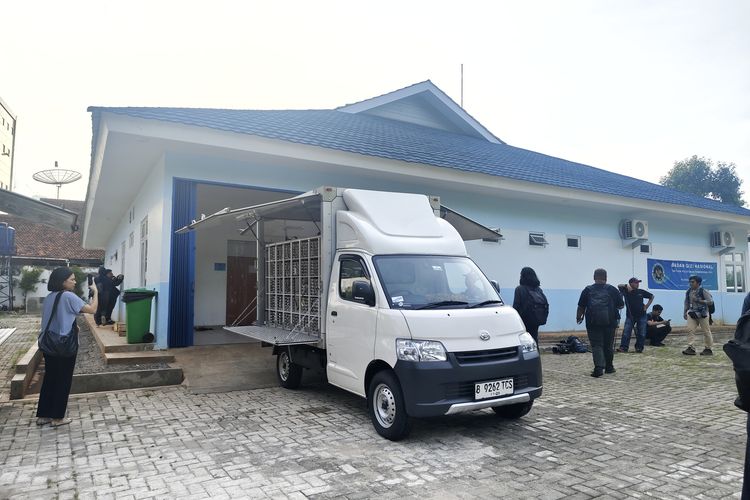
x,y
27,329
663,426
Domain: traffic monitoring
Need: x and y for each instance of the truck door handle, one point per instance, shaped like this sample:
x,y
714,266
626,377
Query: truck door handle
x,y
334,313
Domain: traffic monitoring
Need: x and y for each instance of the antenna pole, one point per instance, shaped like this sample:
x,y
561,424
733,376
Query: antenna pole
x,y
462,85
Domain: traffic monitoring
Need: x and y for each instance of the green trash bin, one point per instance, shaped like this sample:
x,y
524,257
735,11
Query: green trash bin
x,y
137,313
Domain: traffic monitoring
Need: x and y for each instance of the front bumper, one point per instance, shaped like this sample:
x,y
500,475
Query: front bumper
x,y
447,387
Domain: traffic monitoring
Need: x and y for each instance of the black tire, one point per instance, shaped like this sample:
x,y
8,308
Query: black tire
x,y
288,373
513,411
385,404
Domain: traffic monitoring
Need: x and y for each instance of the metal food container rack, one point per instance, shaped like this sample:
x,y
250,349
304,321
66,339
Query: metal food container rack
x,y
293,285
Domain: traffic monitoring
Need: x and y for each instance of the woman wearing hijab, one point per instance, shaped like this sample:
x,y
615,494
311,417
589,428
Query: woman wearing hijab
x,y
58,371
530,302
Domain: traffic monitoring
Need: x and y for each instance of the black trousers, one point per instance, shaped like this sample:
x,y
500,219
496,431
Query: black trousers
x,y
58,376
601,339
110,306
657,335
102,308
533,330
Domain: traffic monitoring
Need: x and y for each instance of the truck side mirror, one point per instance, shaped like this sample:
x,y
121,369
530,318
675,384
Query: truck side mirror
x,y
363,293
495,285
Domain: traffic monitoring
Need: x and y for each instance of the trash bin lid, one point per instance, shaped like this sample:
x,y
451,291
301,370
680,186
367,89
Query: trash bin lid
x,y
134,294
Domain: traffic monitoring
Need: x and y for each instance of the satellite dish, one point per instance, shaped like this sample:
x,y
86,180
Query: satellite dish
x,y
57,176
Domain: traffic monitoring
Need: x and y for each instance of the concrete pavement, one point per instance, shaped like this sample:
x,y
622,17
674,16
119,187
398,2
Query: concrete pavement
x,y
663,426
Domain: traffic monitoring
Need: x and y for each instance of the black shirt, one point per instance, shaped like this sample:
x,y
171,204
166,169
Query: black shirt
x,y
634,301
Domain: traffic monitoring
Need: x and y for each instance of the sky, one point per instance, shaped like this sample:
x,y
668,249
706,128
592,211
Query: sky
x,y
630,86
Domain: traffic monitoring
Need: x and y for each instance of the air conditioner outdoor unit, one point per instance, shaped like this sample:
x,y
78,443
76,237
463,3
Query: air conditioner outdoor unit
x,y
722,239
632,229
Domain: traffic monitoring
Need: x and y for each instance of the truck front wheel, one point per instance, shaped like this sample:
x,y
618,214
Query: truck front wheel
x,y
513,411
385,404
288,373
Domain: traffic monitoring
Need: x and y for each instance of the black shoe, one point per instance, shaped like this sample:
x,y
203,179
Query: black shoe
x,y
639,350
660,344
707,352
110,322
610,369
689,351
598,372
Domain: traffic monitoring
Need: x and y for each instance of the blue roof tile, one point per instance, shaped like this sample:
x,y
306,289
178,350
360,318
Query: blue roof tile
x,y
384,138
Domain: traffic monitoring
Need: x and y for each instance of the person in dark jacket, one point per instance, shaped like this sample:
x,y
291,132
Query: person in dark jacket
x,y
106,288
114,293
524,303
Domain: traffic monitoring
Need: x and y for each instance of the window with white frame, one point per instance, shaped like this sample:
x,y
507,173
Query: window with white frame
x,y
734,271
573,241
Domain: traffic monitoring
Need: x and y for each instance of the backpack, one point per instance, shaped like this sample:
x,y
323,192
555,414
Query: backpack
x,y
576,345
599,307
738,350
539,307
561,348
711,308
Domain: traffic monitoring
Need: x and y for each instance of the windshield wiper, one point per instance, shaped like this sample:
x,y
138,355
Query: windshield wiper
x,y
486,302
433,305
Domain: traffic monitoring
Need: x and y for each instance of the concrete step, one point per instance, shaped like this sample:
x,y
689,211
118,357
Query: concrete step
x,y
135,358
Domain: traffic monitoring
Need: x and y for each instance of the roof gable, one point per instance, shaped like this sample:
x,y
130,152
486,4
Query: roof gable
x,y
426,105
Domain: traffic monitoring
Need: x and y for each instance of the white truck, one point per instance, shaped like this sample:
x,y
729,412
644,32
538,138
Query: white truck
x,y
376,290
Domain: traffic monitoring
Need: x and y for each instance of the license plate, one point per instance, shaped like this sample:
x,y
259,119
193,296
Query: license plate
x,y
493,389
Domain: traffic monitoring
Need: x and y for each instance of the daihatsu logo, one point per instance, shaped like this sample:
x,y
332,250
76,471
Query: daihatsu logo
x,y
484,336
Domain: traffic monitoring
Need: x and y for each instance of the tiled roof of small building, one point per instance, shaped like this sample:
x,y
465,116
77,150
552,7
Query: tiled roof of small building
x,y
385,138
41,241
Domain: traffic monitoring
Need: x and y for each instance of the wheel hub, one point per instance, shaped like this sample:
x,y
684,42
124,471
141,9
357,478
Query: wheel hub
x,y
385,405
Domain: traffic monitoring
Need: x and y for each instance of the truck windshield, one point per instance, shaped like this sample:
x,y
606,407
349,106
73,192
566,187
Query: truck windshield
x,y
434,281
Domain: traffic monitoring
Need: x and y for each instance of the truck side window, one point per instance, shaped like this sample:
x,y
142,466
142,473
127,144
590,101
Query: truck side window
x,y
351,269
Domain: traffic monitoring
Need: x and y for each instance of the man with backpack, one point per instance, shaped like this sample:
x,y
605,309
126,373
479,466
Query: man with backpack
x,y
598,304
698,305
635,318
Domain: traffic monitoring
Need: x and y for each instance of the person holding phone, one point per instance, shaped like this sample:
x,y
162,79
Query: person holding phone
x,y
657,327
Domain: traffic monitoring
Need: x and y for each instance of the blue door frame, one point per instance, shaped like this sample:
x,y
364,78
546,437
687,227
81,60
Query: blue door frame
x,y
182,266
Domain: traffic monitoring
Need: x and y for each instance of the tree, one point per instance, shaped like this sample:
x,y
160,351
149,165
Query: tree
x,y
29,280
699,176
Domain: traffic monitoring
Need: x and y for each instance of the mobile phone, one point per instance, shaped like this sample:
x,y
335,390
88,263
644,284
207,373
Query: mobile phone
x,y
90,279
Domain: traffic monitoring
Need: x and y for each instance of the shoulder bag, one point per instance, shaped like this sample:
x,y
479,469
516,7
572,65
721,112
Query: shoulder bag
x,y
54,344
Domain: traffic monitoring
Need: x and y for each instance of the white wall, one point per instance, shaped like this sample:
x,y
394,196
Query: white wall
x,y
148,203
563,271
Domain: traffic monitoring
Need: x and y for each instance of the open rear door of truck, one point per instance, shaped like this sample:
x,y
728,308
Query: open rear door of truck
x,y
305,207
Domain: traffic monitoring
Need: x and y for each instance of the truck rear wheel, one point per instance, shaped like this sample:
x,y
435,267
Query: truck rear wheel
x,y
385,404
288,373
513,411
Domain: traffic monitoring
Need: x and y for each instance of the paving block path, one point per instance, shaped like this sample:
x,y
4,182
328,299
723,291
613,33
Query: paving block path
x,y
663,426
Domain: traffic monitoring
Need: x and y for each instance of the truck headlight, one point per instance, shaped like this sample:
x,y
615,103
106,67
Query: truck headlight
x,y
420,350
527,342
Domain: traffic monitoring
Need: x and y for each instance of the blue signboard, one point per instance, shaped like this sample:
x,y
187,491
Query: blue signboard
x,y
674,274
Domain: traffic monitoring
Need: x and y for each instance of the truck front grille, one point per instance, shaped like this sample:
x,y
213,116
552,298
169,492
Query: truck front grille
x,y
471,357
466,389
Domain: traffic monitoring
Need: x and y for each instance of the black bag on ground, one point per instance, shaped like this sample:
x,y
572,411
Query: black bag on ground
x,y
599,307
576,345
738,350
539,305
561,348
54,344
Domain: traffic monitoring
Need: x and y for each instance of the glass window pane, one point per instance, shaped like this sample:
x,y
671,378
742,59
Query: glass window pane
x,y
740,278
738,257
727,257
730,278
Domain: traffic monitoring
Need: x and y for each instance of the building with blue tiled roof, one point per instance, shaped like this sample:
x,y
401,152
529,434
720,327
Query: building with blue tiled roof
x,y
154,168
